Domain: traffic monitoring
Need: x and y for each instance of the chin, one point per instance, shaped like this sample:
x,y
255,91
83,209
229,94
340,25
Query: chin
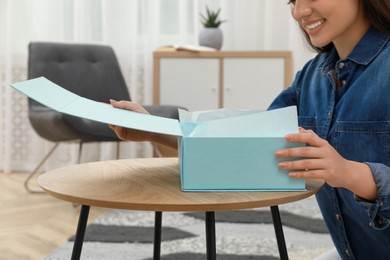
x,y
320,44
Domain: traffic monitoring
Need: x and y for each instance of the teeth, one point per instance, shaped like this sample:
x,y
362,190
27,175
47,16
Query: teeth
x,y
314,25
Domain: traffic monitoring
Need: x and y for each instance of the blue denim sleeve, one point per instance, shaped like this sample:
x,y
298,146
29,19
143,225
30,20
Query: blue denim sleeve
x,y
379,210
287,97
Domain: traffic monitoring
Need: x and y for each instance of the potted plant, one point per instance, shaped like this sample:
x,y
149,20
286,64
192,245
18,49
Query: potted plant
x,y
211,35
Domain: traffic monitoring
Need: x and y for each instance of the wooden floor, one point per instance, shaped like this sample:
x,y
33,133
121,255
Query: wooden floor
x,y
33,225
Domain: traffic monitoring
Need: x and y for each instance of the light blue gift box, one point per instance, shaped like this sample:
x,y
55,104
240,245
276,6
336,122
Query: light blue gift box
x,y
219,150
235,152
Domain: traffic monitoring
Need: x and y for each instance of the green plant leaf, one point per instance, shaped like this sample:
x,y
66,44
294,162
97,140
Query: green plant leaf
x,y
211,19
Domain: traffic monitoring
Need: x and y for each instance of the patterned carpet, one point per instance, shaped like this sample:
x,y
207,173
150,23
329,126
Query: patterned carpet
x,y
241,235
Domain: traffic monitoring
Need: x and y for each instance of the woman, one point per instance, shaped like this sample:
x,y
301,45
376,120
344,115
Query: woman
x,y
344,114
341,97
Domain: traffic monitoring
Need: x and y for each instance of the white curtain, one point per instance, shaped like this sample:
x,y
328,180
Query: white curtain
x,y
134,28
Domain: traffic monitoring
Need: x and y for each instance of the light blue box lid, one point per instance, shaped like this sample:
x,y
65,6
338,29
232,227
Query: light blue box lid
x,y
212,123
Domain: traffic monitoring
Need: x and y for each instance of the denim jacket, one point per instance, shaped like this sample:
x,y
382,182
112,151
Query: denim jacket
x,y
355,120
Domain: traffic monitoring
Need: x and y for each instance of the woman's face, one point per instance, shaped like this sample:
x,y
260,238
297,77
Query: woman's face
x,y
339,21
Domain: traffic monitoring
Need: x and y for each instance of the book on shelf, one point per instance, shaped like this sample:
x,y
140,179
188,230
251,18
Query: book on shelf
x,y
185,47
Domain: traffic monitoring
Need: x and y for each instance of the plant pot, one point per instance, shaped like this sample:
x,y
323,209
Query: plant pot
x,y
211,37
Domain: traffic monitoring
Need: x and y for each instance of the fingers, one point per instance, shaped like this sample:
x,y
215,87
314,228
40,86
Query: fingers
x,y
309,174
306,169
128,105
316,149
306,136
303,151
305,164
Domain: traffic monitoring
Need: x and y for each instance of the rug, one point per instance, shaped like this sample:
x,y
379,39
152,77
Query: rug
x,y
240,235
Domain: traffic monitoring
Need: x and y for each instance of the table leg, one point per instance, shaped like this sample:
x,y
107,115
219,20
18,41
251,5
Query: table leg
x,y
279,232
157,235
210,236
81,227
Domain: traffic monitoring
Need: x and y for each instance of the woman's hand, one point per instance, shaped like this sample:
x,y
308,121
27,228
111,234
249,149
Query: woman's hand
x,y
320,160
138,135
127,133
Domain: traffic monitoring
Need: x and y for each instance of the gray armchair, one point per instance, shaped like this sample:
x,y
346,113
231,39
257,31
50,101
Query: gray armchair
x,y
91,71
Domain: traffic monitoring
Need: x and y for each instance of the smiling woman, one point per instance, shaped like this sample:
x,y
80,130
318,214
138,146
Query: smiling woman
x,y
347,145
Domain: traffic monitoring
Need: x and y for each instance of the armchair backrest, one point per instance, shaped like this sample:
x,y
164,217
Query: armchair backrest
x,y
91,71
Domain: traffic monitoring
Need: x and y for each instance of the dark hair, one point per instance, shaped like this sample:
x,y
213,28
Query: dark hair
x,y
376,11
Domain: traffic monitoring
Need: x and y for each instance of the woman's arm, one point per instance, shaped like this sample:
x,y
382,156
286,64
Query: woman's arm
x,y
370,182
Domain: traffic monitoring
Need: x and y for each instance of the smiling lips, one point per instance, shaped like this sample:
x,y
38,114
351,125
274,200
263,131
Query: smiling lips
x,y
314,25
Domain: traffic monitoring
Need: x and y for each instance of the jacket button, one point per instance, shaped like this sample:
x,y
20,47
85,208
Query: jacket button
x,y
341,65
337,217
347,252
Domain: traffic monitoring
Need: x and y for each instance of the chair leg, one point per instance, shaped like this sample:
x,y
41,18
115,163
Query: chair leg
x,y
279,233
35,171
118,150
80,152
157,235
156,151
75,205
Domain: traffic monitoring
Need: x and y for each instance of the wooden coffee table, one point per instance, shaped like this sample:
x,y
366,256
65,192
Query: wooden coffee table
x,y
153,184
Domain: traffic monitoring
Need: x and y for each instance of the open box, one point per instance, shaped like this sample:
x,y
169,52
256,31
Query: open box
x,y
219,150
233,150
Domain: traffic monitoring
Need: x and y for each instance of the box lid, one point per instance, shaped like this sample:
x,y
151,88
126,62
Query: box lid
x,y
211,123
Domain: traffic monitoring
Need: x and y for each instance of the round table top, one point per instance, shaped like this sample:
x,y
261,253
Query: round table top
x,y
152,184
